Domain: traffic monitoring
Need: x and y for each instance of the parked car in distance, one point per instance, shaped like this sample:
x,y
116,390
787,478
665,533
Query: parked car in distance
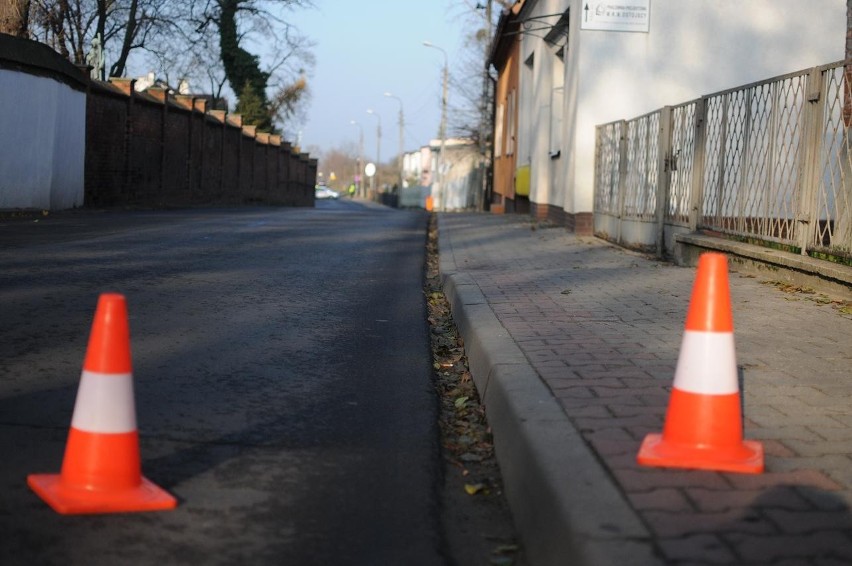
x,y
323,192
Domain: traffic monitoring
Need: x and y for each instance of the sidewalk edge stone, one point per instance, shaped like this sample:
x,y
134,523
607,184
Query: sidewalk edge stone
x,y
565,505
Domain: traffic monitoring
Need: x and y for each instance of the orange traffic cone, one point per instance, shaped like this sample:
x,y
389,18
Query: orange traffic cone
x,y
101,471
703,427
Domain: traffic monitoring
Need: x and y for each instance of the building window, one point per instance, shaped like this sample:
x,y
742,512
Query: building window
x,y
528,80
498,130
511,111
557,102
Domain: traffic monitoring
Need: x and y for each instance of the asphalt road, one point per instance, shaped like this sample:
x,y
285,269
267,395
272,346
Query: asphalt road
x,y
282,377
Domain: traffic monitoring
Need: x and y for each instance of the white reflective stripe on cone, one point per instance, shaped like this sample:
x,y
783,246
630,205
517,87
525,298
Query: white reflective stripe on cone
x,y
707,363
105,403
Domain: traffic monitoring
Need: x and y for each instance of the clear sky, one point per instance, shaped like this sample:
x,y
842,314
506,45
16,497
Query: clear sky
x,y
366,48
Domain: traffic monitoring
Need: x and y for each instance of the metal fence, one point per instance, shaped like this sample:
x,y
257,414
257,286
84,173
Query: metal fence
x,y
768,163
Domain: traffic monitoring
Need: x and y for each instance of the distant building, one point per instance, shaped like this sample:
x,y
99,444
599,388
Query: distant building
x,y
150,80
145,82
459,174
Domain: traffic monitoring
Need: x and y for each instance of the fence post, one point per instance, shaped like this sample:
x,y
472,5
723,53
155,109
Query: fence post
x,y
201,106
190,119
664,159
128,87
187,102
224,139
129,183
741,224
724,100
162,95
812,133
597,185
698,160
622,177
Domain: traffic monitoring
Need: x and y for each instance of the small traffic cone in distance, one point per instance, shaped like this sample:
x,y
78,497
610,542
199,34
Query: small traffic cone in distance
x,y
703,427
101,471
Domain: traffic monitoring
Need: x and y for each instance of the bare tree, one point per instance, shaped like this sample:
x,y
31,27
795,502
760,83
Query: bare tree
x,y
48,24
69,25
123,26
468,114
240,24
175,60
214,42
341,161
143,20
14,17
208,41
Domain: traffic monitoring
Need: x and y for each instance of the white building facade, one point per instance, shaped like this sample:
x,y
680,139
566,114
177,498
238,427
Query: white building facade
x,y
43,127
585,63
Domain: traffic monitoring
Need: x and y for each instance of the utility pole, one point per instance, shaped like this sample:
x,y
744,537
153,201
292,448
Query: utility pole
x,y
378,148
484,121
360,171
443,132
401,139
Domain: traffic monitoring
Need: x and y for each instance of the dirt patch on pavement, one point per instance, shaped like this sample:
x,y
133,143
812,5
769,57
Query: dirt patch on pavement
x,y
477,522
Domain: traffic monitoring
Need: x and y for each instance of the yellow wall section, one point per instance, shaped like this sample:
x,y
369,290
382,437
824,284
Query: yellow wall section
x,y
522,181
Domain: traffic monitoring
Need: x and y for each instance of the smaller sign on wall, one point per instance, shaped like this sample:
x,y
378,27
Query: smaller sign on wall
x,y
617,15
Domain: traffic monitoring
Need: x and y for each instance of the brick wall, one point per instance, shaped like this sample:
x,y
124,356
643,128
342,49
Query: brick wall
x,y
153,149
42,128
106,148
581,223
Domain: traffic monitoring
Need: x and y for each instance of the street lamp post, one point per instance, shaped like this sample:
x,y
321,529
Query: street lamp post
x,y
360,170
378,145
484,117
443,131
401,136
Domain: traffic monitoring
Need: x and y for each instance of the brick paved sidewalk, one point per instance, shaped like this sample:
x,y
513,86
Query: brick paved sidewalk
x,y
601,327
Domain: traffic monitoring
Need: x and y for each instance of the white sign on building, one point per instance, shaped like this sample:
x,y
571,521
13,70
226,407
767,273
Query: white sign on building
x,y
617,15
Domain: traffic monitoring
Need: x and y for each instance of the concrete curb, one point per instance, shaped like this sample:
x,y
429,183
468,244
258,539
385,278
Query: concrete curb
x,y
566,507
